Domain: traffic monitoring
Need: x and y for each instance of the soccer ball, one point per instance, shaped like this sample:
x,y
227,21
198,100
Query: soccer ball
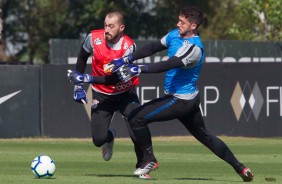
x,y
43,167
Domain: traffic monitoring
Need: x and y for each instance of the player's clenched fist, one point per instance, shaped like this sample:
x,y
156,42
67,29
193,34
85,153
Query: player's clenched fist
x,y
128,71
115,64
79,95
79,78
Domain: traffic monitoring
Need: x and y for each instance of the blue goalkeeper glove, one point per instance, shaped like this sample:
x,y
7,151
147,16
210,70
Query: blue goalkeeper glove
x,y
115,64
128,71
79,78
79,94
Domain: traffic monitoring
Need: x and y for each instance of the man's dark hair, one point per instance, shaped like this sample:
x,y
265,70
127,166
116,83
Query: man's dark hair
x,y
117,13
193,15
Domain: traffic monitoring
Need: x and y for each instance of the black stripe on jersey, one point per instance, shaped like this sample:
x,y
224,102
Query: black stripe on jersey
x,y
134,47
187,53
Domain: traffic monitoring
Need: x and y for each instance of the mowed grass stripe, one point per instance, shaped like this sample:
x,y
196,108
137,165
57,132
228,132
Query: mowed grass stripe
x,y
181,159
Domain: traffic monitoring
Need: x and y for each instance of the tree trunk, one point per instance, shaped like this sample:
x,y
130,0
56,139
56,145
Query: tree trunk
x,y
3,55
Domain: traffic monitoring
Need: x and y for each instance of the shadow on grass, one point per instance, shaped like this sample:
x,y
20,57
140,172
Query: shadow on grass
x,y
113,175
204,179
132,176
200,179
45,178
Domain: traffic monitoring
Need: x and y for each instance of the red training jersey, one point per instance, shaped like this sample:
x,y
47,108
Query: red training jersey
x,y
103,54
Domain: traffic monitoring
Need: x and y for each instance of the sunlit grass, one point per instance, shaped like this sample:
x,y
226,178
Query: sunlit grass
x,y
181,159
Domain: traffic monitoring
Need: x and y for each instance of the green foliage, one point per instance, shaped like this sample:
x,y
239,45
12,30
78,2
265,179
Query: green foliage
x,y
258,20
30,24
165,14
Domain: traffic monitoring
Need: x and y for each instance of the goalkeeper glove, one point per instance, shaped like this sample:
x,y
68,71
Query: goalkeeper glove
x,y
79,94
128,71
79,78
115,64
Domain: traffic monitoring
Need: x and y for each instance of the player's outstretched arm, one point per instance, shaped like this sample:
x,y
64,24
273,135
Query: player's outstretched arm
x,y
145,51
162,66
129,71
148,49
76,77
188,56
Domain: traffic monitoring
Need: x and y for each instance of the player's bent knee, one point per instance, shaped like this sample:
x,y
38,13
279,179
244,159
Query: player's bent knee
x,y
98,142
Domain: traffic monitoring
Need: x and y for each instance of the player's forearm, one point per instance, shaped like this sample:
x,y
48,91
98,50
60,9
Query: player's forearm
x,y
148,49
107,80
162,66
76,78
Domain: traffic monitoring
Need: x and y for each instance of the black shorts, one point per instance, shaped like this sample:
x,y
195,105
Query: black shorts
x,y
103,108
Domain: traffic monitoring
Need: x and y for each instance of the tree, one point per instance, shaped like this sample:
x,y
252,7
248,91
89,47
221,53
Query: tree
x,y
3,55
91,14
164,16
219,15
258,21
30,24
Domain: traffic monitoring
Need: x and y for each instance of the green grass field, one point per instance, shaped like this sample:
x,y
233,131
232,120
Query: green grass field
x,y
181,159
